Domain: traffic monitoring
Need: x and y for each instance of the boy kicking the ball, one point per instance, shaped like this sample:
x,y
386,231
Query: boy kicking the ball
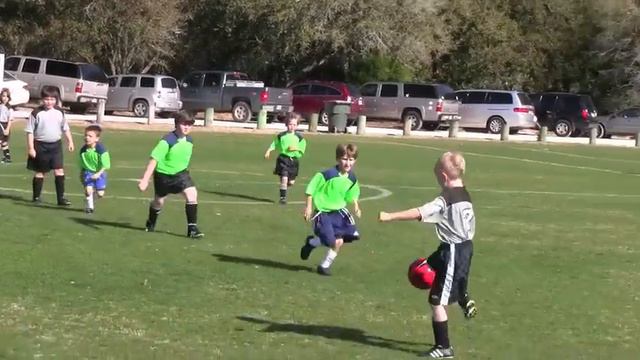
x,y
454,219
328,194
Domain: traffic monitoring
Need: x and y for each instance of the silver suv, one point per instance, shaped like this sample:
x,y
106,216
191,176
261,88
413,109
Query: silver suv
x,y
418,103
493,109
80,85
135,92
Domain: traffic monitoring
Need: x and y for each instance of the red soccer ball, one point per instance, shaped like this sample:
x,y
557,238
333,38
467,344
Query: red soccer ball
x,y
421,275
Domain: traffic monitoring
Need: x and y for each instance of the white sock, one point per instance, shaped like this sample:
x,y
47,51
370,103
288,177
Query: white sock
x,y
89,202
328,260
315,242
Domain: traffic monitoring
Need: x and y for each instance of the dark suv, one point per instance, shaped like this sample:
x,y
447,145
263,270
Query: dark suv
x,y
565,113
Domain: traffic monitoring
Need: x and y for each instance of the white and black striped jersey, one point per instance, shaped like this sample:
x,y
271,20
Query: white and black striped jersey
x,y
452,213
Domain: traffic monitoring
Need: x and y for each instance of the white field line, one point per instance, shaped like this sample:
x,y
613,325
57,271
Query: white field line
x,y
141,168
382,193
501,157
531,192
546,151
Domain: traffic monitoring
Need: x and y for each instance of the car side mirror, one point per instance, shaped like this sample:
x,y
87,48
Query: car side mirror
x,y
184,85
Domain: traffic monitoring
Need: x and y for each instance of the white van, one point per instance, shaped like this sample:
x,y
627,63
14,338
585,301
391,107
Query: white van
x,y
79,85
135,92
494,109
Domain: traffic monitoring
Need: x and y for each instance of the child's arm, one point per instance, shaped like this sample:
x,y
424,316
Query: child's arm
x,y
308,209
30,147
144,182
105,162
270,149
7,130
67,134
356,208
410,214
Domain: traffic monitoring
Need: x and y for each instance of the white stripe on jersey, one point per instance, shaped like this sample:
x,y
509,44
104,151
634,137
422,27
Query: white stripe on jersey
x,y
448,280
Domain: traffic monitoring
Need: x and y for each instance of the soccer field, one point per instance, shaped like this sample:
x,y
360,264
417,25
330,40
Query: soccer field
x,y
556,269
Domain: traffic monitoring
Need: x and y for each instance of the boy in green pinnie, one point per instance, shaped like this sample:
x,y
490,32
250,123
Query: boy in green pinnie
x,y
94,162
291,146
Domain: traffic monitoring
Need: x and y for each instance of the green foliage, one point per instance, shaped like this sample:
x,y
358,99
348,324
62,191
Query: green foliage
x,y
379,68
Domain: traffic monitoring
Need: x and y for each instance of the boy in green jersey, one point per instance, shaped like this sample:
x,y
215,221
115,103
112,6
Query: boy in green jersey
x,y
328,194
169,165
291,146
94,162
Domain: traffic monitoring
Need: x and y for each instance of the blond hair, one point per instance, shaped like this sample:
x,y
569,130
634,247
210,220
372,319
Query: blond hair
x,y
452,163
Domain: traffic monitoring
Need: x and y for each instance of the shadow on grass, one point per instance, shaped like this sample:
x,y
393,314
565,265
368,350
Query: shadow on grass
x,y
99,224
338,333
238,196
261,262
27,202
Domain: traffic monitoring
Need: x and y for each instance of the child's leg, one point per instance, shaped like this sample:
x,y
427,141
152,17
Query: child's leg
x,y
37,182
59,176
191,210
88,193
284,180
440,326
154,210
6,154
332,253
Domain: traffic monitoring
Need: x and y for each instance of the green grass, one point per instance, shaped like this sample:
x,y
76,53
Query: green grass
x,y
555,270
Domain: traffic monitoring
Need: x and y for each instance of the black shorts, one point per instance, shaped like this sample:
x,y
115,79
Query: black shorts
x,y
451,263
4,137
286,166
48,157
171,184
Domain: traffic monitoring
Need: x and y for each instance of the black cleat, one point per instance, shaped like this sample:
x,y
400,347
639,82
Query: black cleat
x,y
439,352
64,202
194,233
283,201
323,271
306,249
469,309
36,201
89,210
149,226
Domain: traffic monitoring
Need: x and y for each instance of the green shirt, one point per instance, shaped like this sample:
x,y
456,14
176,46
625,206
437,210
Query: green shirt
x,y
172,153
94,158
285,139
331,190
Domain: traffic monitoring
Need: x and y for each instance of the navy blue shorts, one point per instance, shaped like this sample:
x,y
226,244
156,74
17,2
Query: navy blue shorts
x,y
98,184
338,224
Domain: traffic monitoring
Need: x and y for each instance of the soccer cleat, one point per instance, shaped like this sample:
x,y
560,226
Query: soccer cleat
x,y
283,201
64,202
89,210
306,249
323,271
194,233
7,160
37,201
469,309
149,226
439,352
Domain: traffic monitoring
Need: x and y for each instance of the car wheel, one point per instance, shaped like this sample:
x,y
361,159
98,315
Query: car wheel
x,y
108,112
414,117
562,128
323,118
140,108
431,126
495,125
602,132
241,111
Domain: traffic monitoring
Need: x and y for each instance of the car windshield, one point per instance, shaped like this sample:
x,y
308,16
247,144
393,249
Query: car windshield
x,y
8,77
353,90
93,73
525,99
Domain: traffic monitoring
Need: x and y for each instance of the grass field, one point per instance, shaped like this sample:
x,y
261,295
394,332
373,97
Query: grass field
x,y
555,273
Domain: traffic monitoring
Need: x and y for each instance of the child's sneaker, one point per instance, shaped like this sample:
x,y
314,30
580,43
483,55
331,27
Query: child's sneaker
x,y
323,271
64,202
88,210
439,352
36,201
469,309
306,249
283,201
194,233
149,226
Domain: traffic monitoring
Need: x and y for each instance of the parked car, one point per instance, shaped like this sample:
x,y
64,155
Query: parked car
x,y
135,92
80,85
624,122
421,104
233,91
494,109
310,97
17,88
565,113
